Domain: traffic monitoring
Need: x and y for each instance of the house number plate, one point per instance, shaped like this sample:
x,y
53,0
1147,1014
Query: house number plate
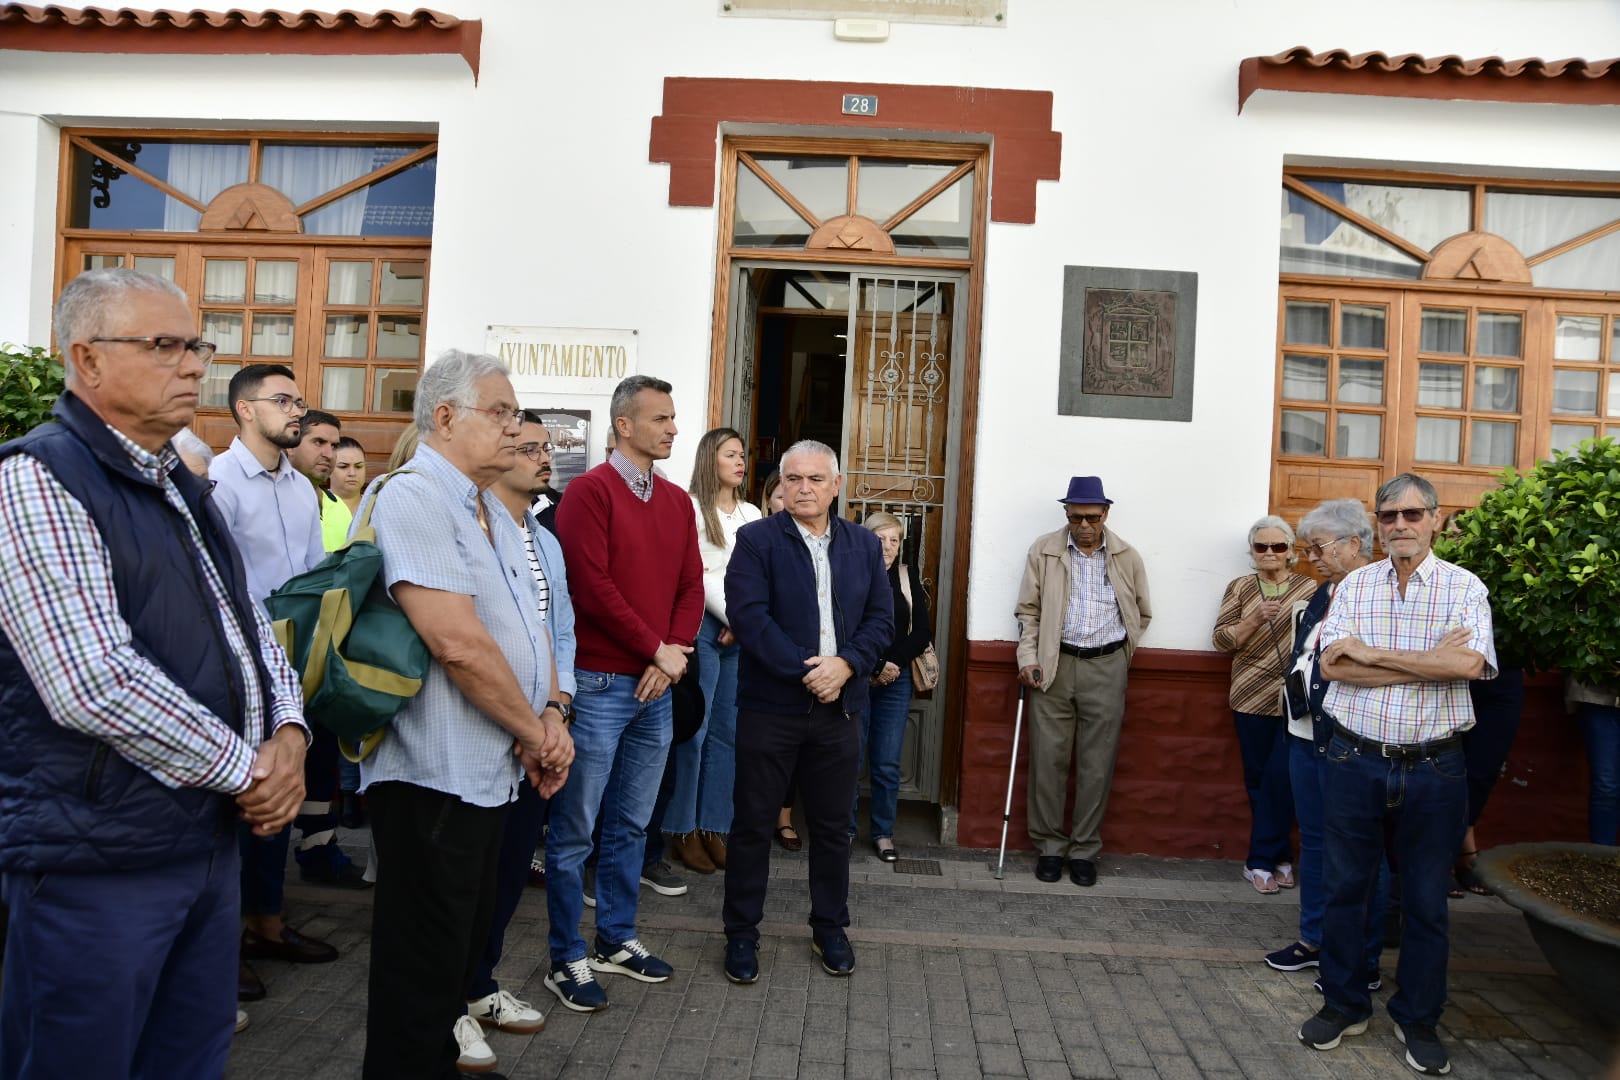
x,y
860,104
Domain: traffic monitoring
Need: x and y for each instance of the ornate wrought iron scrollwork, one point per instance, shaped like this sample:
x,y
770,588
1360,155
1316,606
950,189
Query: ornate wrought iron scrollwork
x,y
104,172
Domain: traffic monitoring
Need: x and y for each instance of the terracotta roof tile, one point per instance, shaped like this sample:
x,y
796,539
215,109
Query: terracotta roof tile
x,y
54,28
1490,78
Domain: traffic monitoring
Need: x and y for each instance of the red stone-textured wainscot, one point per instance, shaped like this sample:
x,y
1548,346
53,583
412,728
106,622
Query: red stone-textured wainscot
x,y
1178,785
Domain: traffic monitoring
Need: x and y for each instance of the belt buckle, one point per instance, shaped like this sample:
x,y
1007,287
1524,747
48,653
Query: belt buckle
x,y
1392,750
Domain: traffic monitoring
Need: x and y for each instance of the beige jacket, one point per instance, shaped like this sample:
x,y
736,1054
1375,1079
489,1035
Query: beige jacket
x,y
1045,588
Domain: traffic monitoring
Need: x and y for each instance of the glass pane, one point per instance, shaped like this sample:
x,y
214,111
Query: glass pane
x,y
224,281
1498,333
216,385
161,265
762,219
272,335
1438,438
399,337
1533,222
275,282
886,186
1304,432
1307,323
1305,378
104,196
1361,326
1590,266
1424,216
806,290
1614,395
302,172
1361,382
103,262
400,205
1492,442
1315,240
1496,389
1444,331
1578,337
201,170
1440,386
224,329
343,389
1358,435
346,335
943,226
396,390
402,283
348,282
1565,436
1575,392
821,184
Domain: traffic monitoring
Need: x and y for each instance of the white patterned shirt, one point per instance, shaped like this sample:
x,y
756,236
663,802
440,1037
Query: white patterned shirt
x,y
824,599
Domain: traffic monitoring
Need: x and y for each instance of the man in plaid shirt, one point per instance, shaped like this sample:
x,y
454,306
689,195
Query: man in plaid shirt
x,y
1401,641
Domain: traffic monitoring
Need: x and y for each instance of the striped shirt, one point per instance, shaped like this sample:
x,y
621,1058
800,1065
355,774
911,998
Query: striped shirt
x,y
1368,607
59,607
538,571
1092,617
1259,663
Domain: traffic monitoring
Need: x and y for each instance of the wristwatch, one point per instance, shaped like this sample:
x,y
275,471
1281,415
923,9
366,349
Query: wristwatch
x,y
567,711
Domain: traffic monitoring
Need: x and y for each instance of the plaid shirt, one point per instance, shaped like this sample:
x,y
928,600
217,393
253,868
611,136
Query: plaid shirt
x,y
59,608
1092,617
641,483
1368,606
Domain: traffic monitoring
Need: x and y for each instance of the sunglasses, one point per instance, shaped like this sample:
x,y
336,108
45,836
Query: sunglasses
x,y
1089,519
1275,549
1411,514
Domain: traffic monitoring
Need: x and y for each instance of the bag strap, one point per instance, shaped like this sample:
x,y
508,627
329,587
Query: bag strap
x,y
911,605
362,525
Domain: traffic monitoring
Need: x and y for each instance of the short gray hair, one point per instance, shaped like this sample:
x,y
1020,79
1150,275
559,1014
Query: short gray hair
x,y
1341,517
624,395
1272,521
810,446
1394,486
452,380
81,309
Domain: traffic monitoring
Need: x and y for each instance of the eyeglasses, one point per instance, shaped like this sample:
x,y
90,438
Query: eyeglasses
x,y
1275,549
167,349
1089,519
285,402
1412,514
502,416
533,450
1318,550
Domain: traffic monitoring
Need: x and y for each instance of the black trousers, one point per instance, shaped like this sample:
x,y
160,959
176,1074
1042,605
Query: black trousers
x,y
823,747
430,920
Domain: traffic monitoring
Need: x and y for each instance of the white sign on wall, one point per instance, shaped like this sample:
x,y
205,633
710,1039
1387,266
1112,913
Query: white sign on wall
x,y
563,360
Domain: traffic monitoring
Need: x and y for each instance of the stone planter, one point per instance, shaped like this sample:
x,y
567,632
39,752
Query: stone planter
x,y
1584,950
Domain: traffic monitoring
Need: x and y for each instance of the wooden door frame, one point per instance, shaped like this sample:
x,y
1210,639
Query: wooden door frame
x,y
954,686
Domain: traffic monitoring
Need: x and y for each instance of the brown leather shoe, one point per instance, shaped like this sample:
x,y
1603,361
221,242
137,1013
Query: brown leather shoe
x,y
293,947
715,845
689,849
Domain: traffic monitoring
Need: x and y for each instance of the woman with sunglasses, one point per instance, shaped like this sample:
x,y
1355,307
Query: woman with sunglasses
x,y
1254,626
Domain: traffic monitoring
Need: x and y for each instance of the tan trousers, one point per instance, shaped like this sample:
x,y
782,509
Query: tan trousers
x,y
1079,715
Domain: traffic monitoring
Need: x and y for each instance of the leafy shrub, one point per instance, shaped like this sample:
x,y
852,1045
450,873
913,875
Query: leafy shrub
x,y
30,380
1547,545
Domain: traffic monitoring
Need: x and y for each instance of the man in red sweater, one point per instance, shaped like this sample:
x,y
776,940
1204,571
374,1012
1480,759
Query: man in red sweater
x,y
629,539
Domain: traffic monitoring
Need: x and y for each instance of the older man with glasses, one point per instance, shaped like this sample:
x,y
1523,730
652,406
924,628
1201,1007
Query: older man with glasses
x,y
1400,643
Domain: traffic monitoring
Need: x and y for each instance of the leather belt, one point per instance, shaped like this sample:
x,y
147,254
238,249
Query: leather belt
x,y
1404,751
1090,654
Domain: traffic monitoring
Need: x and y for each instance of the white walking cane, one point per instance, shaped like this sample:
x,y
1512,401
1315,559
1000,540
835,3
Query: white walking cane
x,y
1012,774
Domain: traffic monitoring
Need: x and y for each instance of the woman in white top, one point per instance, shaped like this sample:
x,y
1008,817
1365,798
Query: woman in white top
x,y
699,814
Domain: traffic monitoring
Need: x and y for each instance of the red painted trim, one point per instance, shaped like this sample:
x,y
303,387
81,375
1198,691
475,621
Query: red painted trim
x,y
1019,122
239,32
1559,82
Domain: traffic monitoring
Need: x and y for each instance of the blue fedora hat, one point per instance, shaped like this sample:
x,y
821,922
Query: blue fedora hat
x,y
1086,489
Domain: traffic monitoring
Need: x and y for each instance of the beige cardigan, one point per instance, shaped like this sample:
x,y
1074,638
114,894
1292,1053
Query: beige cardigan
x,y
1046,588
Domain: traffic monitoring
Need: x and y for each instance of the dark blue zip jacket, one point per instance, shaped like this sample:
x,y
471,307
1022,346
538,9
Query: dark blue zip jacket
x,y
69,802
771,603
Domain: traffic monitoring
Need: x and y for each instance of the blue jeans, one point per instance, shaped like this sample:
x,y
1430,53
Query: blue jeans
x,y
620,747
1601,725
883,732
1262,741
1306,768
707,762
1424,806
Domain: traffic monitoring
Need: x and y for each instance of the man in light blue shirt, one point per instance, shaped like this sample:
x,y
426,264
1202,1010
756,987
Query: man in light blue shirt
x,y
440,782
267,506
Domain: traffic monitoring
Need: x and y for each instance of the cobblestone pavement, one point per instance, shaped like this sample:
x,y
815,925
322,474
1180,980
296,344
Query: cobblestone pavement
x,y
1155,972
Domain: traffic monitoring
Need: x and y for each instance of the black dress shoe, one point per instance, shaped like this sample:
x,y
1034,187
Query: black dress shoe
x,y
742,960
886,854
293,947
837,958
1049,867
1083,872
249,987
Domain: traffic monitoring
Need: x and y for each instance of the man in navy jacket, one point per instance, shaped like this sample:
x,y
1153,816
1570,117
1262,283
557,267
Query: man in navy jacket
x,y
809,601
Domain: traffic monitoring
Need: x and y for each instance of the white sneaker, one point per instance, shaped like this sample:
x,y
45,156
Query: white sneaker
x,y
241,1021
476,1056
504,1012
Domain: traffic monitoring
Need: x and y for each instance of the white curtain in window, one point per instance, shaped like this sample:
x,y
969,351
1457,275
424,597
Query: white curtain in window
x,y
317,169
201,170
